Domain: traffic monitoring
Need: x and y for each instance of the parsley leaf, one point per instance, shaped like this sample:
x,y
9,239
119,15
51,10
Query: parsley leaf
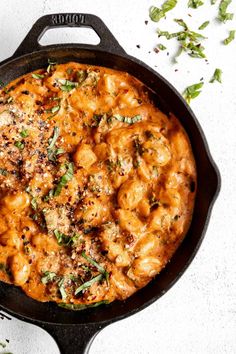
x,y
230,38
192,91
217,76
156,14
223,15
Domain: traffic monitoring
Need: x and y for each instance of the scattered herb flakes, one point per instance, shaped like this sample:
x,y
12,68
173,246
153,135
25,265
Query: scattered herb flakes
x,y
128,120
204,25
37,76
80,307
51,64
19,144
64,179
62,289
223,15
87,284
67,85
3,172
189,40
194,4
217,76
64,240
161,46
48,277
95,264
24,133
192,91
156,13
230,38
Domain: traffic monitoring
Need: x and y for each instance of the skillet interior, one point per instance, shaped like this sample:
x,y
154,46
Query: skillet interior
x,y
167,98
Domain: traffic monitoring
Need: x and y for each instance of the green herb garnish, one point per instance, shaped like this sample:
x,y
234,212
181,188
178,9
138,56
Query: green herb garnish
x,y
80,307
64,179
62,289
213,2
189,40
19,145
51,64
3,172
230,38
192,91
223,15
81,76
204,25
128,120
87,284
156,13
37,76
194,4
67,85
217,76
48,277
95,264
24,133
161,46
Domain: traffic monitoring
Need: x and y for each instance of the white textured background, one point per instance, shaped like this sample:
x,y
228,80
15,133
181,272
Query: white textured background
x,y
198,315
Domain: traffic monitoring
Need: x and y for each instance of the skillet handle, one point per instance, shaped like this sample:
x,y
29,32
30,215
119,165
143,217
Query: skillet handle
x,y
107,43
75,339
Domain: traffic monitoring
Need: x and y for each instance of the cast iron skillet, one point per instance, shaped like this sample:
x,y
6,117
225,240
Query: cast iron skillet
x,y
74,331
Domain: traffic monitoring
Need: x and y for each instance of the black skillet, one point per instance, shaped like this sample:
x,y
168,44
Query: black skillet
x,y
74,331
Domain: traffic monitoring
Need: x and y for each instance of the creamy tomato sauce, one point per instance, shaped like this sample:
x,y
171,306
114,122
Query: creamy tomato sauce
x,y
97,185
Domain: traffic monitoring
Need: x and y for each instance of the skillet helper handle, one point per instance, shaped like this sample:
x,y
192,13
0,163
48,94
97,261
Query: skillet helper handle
x,y
107,43
73,339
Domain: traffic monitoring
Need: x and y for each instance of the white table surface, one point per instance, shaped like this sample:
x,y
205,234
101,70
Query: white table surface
x,y
198,315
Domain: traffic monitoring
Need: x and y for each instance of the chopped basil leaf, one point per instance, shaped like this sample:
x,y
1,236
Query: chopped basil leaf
x,y
213,2
128,120
204,25
19,145
223,15
54,109
95,264
34,203
230,38
161,46
189,40
37,76
156,13
192,91
48,277
3,172
64,179
194,4
52,141
51,63
80,307
24,133
217,76
81,76
62,289
67,85
87,284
